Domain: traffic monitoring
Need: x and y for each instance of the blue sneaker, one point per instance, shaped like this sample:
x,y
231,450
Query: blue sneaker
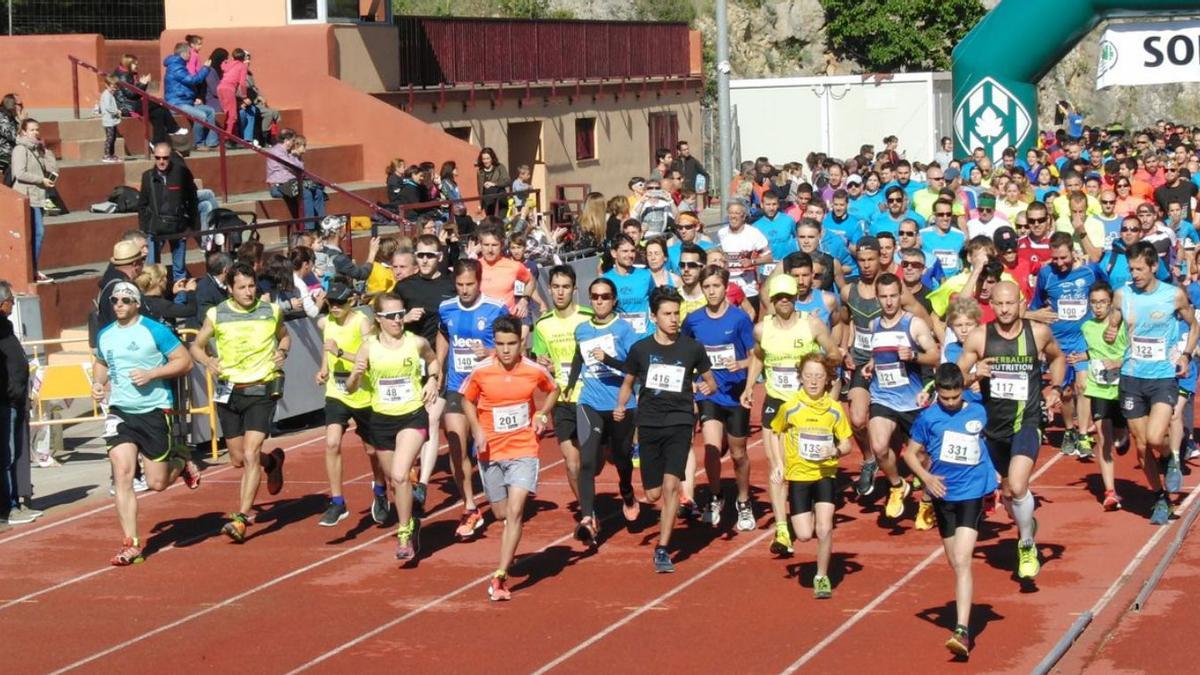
x,y
662,560
1174,479
1162,511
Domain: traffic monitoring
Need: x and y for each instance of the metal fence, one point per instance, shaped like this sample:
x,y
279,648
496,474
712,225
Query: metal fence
x,y
114,19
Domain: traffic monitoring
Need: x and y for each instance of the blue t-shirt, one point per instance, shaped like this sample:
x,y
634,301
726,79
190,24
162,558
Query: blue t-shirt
x,y
950,354
780,232
1074,125
1112,230
675,251
866,206
1067,295
910,189
958,450
465,329
142,345
947,248
633,297
835,245
729,337
884,222
601,384
850,227
1116,264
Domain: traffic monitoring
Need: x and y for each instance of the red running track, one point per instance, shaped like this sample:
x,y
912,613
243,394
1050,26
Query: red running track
x,y
297,596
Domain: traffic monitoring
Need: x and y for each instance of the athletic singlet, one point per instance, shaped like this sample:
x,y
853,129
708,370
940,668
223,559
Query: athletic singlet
x,y
862,312
782,350
348,337
633,297
465,329
600,383
894,383
246,341
1012,395
815,305
395,376
1153,332
554,338
690,305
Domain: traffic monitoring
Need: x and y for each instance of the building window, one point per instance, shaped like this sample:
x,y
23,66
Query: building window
x,y
461,133
585,138
664,132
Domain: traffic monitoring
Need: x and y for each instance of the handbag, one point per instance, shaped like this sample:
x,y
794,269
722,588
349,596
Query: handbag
x,y
290,189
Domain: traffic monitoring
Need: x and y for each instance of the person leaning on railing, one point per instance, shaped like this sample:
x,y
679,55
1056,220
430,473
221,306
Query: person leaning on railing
x,y
286,185
162,122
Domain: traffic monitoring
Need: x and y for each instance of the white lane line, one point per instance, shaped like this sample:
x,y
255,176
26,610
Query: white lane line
x,y
260,587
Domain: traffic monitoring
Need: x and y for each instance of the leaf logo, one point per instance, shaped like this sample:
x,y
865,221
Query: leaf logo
x,y
989,125
991,117
1108,58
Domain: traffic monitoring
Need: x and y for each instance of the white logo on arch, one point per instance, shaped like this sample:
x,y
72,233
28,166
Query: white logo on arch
x,y
992,118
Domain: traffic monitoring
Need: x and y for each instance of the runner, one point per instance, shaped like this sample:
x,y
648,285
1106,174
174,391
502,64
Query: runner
x,y
666,364
900,345
948,453
554,346
393,363
602,344
251,344
1006,357
633,286
498,399
745,248
815,432
727,335
464,341
136,358
691,262
1102,391
1153,362
780,342
503,279
809,300
344,330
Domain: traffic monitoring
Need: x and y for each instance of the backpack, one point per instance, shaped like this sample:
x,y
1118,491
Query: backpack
x,y
222,217
125,198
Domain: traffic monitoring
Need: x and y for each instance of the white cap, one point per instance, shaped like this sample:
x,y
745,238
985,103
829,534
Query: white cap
x,y
332,223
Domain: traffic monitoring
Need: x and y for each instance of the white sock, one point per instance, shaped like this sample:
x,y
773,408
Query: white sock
x,y
1022,511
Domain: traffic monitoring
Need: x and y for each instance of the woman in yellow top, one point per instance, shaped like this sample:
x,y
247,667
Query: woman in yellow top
x,y
815,432
392,364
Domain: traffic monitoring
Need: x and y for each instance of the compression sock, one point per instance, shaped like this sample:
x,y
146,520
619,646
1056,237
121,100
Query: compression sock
x,y
339,500
1022,510
380,490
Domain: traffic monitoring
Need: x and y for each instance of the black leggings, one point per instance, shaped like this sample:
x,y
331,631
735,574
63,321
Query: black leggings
x,y
595,427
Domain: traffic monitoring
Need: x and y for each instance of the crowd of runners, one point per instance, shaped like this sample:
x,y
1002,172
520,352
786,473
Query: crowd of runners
x,y
918,326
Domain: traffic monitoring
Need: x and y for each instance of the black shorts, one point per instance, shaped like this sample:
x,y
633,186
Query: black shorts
x,y
857,379
337,412
770,406
802,494
663,450
245,412
953,515
149,431
1025,443
454,402
1139,394
736,418
903,418
385,427
1108,409
565,418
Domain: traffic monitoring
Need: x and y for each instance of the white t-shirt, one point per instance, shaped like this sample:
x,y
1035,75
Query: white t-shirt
x,y
740,248
976,227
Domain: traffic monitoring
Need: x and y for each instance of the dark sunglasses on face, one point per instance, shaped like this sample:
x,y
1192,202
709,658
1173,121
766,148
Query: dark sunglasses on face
x,y
122,300
942,214
690,265
894,200
907,233
392,316
161,158
1037,221
986,209
912,265
1131,229
601,296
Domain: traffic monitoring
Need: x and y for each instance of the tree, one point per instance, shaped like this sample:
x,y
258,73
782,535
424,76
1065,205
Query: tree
x,y
899,35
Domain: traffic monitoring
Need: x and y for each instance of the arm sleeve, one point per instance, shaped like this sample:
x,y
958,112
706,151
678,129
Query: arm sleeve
x,y
632,361
576,367
164,339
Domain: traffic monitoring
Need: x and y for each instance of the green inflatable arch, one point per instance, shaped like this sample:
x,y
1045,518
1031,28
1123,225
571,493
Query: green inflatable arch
x,y
998,64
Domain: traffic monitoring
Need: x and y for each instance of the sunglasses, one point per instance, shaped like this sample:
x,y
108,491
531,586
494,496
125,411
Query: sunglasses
x,y
943,214
1108,201
122,300
426,255
162,158
988,209
1037,221
894,201
1131,229
601,296
912,265
908,233
687,227
691,265
783,296
392,316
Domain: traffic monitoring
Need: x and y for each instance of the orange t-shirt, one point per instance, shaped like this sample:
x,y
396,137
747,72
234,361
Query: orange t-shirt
x,y
504,403
505,279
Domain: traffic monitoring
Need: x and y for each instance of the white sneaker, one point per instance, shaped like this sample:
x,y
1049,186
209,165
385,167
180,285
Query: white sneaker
x,y
139,485
712,514
746,521
181,131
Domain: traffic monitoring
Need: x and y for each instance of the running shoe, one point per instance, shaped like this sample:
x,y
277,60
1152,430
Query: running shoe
x,y
275,475
1162,510
1070,444
1112,501
631,509
1193,450
139,484
959,643
662,560
380,508
1028,565
1174,475
925,517
745,517
497,590
896,497
866,478
129,554
21,516
190,474
235,529
420,492
687,509
1083,445
334,514
635,455
469,524
408,539
1121,446
822,588
586,531
712,514
781,545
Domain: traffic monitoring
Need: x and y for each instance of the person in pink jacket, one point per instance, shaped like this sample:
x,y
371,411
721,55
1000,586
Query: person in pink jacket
x,y
195,61
232,87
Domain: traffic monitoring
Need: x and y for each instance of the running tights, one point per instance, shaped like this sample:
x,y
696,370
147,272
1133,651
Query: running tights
x,y
596,428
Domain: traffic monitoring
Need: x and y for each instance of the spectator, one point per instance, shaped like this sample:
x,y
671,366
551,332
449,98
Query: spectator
x,y
34,171
521,187
128,259
16,485
110,117
168,205
409,192
111,272
162,122
286,184
232,90
10,126
212,82
331,261
493,180
179,89
452,193
303,261
266,118
153,283
194,43
690,167
382,277
280,278
394,178
662,164
211,290
618,212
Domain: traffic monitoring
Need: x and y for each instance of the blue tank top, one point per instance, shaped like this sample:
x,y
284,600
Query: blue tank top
x,y
815,305
601,383
1154,332
465,329
633,297
894,383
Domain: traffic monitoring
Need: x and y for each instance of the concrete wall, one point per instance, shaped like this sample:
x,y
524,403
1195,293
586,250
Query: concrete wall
x,y
36,67
622,135
368,56
188,15
16,243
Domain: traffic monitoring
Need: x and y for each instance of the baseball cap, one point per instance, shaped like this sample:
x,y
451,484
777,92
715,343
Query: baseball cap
x,y
868,242
854,179
127,289
125,252
1005,238
950,174
782,284
987,200
332,223
339,292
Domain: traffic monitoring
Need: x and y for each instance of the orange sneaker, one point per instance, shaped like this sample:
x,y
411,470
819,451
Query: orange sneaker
x,y
130,553
469,524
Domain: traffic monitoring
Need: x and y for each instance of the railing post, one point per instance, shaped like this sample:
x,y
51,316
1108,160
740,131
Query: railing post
x,y
146,128
75,84
224,169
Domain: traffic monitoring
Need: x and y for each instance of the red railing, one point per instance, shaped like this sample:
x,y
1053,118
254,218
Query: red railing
x,y
300,172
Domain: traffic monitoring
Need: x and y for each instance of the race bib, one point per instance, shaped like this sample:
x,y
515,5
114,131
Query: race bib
x,y
665,377
221,391
785,379
564,372
1009,386
862,341
948,258
507,418
339,381
1072,309
768,268
960,448
891,375
889,339
110,425
721,356
814,446
1101,375
464,359
637,320
606,344
1148,349
395,389
519,289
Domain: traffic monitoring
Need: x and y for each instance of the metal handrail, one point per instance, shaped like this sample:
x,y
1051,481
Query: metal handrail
x,y
146,98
